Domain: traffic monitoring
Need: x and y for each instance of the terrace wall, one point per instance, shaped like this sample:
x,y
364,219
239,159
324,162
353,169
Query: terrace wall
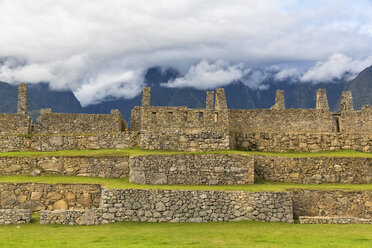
x,y
302,142
38,196
332,203
185,140
179,206
119,140
192,169
69,166
15,216
314,169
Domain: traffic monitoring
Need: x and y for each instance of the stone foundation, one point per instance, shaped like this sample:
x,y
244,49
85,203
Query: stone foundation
x,y
333,220
15,216
314,169
189,169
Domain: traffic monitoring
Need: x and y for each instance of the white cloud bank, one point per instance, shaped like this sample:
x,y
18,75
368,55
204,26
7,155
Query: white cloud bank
x,y
100,49
336,67
206,75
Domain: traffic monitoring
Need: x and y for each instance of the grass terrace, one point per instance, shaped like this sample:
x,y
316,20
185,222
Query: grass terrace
x,y
203,235
123,183
135,151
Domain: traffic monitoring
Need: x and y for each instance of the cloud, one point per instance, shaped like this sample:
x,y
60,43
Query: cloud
x,y
286,73
206,75
100,49
336,67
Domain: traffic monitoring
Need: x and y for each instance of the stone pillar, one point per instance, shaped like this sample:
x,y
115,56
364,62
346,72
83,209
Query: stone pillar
x,y
146,96
346,101
321,99
22,99
209,101
279,100
220,103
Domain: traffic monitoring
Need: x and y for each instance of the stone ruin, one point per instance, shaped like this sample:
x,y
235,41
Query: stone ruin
x,y
214,127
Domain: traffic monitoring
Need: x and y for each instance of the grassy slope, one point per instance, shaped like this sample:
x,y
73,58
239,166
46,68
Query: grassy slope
x,y
123,183
137,152
218,234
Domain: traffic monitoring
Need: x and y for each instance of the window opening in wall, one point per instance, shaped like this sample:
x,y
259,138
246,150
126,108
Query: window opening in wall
x,y
337,124
185,116
215,117
153,113
200,115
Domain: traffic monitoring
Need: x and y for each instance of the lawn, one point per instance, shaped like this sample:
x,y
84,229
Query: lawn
x,y
123,183
137,152
217,234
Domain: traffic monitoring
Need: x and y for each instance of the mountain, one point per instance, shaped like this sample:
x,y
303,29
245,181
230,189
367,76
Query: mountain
x,y
361,88
39,96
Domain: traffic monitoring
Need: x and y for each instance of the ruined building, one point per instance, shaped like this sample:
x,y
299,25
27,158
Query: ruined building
x,y
214,127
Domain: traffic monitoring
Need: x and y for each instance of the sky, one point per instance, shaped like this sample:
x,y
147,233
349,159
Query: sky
x,y
101,49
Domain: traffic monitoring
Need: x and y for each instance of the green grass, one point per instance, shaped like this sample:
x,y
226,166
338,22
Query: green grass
x,y
205,235
136,152
123,183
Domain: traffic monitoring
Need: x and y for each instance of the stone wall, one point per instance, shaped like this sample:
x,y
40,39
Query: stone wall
x,y
15,216
189,169
302,142
135,119
14,124
179,206
38,196
72,217
333,220
332,203
283,120
119,140
185,140
69,166
314,169
61,123
356,121
160,118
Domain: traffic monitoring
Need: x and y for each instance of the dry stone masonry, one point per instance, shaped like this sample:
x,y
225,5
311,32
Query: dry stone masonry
x,y
209,169
15,216
332,203
333,220
59,142
178,206
214,127
59,123
314,169
109,167
38,196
